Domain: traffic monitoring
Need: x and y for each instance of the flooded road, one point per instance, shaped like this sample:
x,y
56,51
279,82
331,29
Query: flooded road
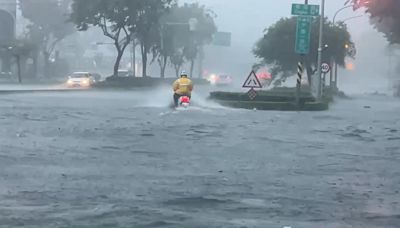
x,y
124,159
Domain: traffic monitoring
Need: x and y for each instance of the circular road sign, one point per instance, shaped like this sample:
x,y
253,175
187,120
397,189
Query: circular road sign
x,y
325,68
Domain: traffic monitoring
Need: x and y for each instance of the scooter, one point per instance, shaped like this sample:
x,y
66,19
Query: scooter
x,y
184,102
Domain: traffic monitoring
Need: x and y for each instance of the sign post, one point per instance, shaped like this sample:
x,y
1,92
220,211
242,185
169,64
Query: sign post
x,y
305,13
252,82
325,69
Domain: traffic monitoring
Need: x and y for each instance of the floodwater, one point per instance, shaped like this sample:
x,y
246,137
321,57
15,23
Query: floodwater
x,y
124,159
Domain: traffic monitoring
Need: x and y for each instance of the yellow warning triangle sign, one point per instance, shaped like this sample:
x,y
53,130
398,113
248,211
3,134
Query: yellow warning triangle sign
x,y
252,81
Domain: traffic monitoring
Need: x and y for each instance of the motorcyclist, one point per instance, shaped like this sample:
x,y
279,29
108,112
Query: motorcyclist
x,y
182,87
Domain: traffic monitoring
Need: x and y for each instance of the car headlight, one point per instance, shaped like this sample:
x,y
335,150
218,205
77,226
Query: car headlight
x,y
70,82
85,81
213,78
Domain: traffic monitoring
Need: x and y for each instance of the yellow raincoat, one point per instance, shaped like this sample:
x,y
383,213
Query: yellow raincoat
x,y
183,86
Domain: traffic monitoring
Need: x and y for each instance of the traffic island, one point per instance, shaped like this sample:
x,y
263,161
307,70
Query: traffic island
x,y
282,99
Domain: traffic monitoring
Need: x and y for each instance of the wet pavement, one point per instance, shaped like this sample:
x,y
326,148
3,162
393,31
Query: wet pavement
x,y
124,159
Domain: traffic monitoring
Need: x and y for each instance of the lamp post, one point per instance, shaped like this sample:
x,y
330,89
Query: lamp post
x,y
320,49
333,61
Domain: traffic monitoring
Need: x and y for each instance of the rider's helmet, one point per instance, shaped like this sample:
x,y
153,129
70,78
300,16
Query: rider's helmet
x,y
184,74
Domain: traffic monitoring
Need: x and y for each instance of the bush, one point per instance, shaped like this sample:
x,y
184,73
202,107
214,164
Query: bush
x,y
266,96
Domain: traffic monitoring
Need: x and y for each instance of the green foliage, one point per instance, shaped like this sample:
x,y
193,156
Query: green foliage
x,y
118,20
385,16
148,22
277,47
148,33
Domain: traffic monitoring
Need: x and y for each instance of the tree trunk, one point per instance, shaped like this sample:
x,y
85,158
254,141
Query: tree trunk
x,y
163,66
191,67
35,66
177,68
118,61
144,59
46,70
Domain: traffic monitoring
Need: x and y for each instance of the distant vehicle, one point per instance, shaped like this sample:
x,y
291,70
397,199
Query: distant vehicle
x,y
6,75
80,79
220,79
265,78
125,73
121,74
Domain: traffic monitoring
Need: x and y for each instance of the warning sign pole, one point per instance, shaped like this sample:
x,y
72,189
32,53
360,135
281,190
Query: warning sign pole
x,y
299,78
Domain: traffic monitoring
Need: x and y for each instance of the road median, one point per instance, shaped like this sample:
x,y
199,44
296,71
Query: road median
x,y
280,99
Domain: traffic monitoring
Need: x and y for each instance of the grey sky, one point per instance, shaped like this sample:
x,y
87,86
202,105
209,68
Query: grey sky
x,y
248,18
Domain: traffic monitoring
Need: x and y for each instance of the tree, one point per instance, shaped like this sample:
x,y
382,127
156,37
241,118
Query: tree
x,y
181,38
49,25
177,60
384,14
148,24
277,47
116,18
203,34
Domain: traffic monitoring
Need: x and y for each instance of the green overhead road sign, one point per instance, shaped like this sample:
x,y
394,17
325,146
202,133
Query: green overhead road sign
x,y
222,39
303,32
305,10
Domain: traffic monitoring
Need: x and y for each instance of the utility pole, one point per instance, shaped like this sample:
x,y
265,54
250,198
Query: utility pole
x,y
201,59
319,62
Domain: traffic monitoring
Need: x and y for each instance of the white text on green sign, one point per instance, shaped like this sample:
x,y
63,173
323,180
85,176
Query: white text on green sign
x,y
305,10
303,35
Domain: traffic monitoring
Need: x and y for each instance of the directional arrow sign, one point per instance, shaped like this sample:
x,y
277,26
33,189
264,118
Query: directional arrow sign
x,y
252,81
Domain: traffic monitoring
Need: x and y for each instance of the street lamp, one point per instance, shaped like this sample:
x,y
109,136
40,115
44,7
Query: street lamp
x,y
333,61
340,10
351,18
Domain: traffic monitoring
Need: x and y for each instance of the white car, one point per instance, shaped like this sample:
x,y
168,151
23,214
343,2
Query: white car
x,y
220,79
125,73
80,79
